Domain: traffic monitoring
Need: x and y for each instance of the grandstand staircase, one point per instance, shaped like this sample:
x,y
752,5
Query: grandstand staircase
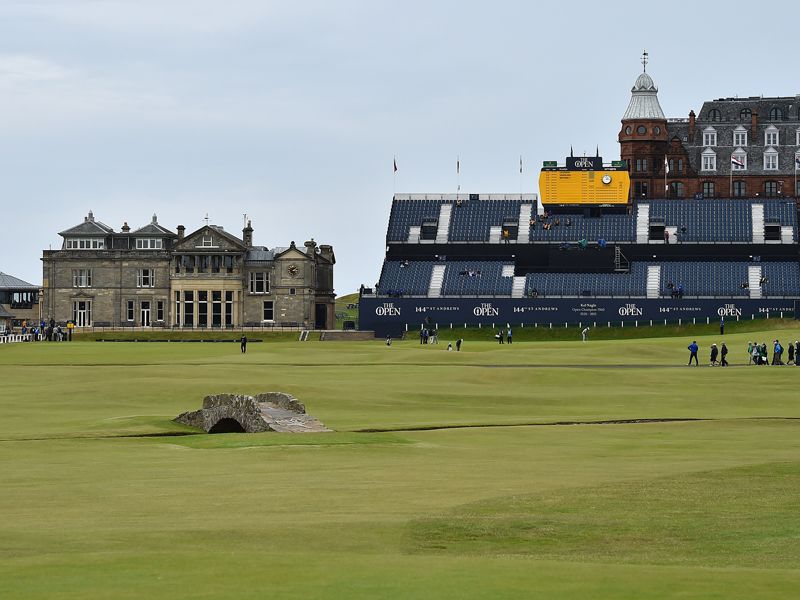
x,y
413,234
654,281
518,287
524,224
642,223
787,234
494,234
443,228
437,279
754,281
757,213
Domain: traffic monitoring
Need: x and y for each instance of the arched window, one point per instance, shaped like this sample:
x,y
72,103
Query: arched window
x,y
739,189
714,115
708,189
745,114
776,114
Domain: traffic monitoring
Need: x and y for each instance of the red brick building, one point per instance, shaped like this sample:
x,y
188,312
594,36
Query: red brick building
x,y
733,147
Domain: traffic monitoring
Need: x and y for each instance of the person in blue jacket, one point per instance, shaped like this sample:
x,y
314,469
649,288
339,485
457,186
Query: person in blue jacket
x,y
693,353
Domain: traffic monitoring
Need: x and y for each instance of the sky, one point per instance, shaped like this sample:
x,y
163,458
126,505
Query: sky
x,y
292,112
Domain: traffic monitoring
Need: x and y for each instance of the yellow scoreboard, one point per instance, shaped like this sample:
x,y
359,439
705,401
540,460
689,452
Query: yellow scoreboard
x,y
584,181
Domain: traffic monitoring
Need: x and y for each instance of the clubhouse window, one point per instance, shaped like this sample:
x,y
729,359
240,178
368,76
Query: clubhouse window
x,y
160,310
188,309
129,311
259,283
84,244
145,278
708,189
149,243
269,311
82,278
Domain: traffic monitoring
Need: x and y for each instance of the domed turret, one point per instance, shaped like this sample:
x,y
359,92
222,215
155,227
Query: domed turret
x,y
644,100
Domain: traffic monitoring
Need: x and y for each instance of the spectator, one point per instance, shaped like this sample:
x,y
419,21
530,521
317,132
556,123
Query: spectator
x,y
666,236
508,336
722,325
790,360
458,344
693,348
724,353
585,334
714,354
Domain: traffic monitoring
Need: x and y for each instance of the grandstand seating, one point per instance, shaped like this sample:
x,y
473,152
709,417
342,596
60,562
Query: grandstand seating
x,y
612,228
471,220
631,284
705,278
705,220
405,278
782,279
406,213
476,278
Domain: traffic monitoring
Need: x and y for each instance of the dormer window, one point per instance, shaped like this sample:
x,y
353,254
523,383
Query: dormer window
x,y
740,136
797,137
149,243
709,137
739,160
771,136
709,160
207,241
771,159
776,114
714,115
745,114
84,244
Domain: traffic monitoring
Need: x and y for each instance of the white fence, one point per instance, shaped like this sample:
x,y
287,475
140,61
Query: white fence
x,y
18,337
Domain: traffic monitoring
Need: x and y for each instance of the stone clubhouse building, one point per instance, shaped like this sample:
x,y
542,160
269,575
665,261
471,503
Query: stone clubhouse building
x,y
210,278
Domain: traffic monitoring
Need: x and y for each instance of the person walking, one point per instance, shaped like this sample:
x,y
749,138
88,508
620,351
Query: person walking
x,y
243,343
749,353
458,344
693,348
790,361
724,353
714,354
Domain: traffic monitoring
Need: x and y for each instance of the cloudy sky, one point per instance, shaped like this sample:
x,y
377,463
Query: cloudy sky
x,y
292,111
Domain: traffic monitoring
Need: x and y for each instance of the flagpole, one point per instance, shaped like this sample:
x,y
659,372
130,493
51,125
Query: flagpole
x,y
520,175
730,186
458,175
394,177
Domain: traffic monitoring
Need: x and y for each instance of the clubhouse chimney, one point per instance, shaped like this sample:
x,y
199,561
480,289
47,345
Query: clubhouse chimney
x,y
247,235
181,231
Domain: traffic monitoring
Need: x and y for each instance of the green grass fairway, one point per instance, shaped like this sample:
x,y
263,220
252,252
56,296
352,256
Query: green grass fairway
x,y
549,469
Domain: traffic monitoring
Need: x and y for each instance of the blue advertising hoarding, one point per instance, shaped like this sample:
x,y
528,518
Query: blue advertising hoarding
x,y
392,316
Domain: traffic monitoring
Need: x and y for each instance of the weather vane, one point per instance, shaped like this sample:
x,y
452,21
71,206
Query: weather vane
x,y
644,60
206,219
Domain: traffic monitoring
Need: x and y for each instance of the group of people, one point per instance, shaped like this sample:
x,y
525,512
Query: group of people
x,y
676,291
508,336
428,336
51,332
719,356
758,353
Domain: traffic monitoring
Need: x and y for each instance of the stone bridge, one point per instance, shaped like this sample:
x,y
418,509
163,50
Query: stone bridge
x,y
234,413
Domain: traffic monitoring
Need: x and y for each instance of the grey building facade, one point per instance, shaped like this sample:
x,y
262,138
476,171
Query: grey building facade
x,y
210,278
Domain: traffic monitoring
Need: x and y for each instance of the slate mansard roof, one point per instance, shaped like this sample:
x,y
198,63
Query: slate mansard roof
x,y
89,227
732,115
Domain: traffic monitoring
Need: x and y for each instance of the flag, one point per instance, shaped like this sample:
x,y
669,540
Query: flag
x,y
520,165
666,165
796,162
737,162
395,165
458,165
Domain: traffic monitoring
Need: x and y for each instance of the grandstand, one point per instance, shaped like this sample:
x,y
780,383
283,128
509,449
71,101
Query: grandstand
x,y
485,258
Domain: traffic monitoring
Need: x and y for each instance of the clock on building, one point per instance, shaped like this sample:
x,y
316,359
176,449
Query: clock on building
x,y
292,270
